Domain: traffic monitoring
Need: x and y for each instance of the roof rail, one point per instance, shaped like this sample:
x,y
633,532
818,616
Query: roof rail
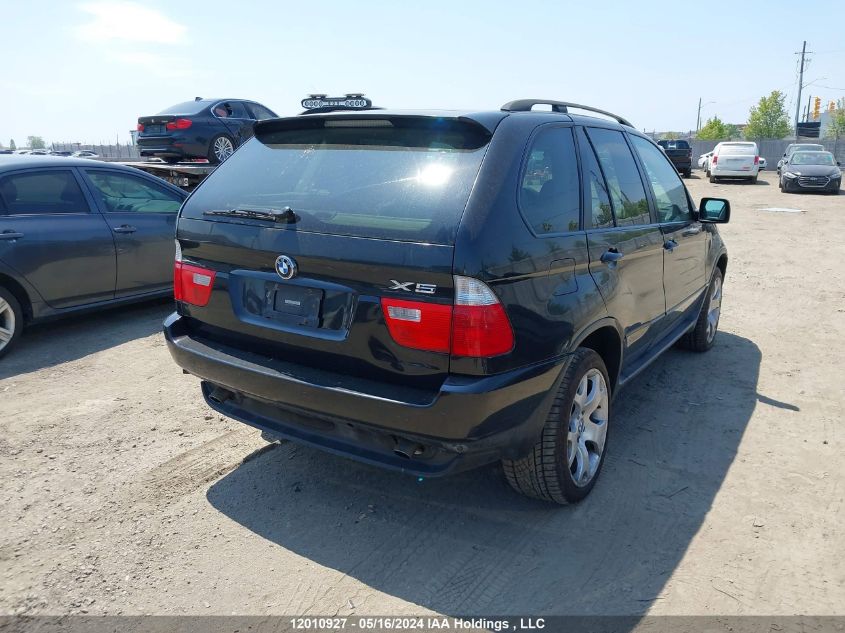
x,y
525,105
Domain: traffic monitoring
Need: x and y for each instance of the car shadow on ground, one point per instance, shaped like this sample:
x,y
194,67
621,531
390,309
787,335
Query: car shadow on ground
x,y
469,545
62,340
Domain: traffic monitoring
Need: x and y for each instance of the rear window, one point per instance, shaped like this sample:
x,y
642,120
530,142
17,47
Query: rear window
x,y
188,107
403,178
674,144
743,149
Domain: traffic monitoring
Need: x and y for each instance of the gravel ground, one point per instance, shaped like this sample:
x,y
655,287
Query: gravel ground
x,y
122,493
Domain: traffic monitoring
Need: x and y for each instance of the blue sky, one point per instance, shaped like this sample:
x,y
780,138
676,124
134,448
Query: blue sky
x,y
84,71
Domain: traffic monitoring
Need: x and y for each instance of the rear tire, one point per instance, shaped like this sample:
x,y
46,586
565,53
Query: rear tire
x,y
220,148
712,177
701,337
564,465
753,180
688,173
11,321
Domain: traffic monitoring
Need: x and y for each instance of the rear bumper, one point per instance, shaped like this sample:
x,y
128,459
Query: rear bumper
x,y
171,146
721,172
468,422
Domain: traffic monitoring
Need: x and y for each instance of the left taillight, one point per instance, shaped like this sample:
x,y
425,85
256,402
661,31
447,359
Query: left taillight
x,y
140,127
191,284
179,124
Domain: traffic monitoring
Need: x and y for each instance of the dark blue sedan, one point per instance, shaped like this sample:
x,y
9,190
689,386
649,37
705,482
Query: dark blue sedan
x,y
202,128
77,234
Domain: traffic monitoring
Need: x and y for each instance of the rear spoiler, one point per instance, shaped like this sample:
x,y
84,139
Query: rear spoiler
x,y
484,123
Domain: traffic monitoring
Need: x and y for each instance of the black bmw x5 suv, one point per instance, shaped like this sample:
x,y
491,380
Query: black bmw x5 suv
x,y
433,291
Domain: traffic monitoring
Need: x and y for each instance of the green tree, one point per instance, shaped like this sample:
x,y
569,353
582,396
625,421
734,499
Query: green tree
x,y
768,119
714,130
836,127
671,136
732,132
12,145
36,142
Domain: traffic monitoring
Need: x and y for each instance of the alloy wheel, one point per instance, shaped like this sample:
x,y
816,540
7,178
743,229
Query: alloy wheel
x,y
714,309
587,427
7,323
223,148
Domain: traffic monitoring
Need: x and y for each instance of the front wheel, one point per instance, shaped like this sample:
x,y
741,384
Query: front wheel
x,y
712,177
11,320
220,148
701,337
565,463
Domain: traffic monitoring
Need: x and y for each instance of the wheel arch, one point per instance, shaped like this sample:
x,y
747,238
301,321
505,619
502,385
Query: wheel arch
x,y
16,288
605,338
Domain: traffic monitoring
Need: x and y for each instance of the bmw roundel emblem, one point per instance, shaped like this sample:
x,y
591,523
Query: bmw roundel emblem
x,y
286,267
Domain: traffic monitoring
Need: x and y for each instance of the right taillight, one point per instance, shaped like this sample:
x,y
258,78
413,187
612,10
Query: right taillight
x,y
475,326
480,325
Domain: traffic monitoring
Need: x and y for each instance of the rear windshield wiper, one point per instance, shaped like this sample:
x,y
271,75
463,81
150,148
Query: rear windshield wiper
x,y
286,215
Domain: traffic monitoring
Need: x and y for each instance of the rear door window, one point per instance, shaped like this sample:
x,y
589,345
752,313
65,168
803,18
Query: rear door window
x,y
236,110
550,193
402,178
122,193
42,192
627,194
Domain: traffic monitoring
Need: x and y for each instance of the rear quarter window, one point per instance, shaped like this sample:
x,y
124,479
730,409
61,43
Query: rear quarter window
x,y
550,192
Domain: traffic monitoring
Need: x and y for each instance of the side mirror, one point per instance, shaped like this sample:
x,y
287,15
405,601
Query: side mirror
x,y
714,211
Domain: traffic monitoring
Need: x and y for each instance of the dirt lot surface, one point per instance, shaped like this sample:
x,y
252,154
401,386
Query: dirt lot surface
x,y
121,492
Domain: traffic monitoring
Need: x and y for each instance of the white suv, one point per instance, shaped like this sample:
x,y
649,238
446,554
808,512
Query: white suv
x,y
734,160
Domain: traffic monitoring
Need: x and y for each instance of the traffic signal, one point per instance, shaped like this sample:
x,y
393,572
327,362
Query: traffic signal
x,y
817,105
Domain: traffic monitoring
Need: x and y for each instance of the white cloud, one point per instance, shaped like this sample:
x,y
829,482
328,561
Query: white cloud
x,y
130,22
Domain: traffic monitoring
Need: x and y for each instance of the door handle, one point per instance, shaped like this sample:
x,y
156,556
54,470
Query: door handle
x,y
10,235
670,245
125,228
611,256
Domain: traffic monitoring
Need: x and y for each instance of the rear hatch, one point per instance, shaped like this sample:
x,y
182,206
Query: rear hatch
x,y
353,211
737,157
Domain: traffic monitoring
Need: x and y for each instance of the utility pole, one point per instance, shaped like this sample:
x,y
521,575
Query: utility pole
x,y
698,119
800,86
809,98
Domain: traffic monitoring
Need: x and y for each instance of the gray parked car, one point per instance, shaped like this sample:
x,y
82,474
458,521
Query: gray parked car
x,y
77,234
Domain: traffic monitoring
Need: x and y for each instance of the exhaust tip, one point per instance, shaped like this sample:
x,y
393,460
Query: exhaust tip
x,y
220,395
407,449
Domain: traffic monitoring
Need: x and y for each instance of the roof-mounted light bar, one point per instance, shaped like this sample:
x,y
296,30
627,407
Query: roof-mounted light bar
x,y
323,103
525,105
